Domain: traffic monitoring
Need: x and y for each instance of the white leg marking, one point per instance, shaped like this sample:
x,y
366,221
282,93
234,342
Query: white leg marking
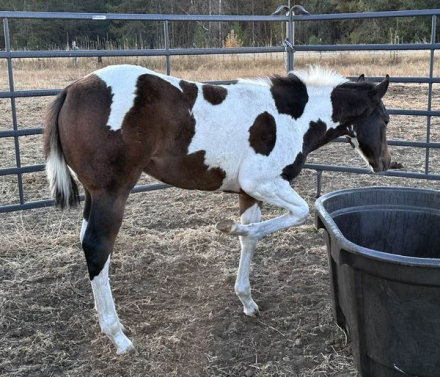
x,y
279,194
248,245
108,319
83,230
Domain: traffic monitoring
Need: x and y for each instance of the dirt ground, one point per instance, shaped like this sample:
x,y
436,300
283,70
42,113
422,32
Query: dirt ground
x,y
173,274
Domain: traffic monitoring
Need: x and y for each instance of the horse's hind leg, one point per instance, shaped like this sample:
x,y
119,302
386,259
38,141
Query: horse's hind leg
x,y
103,224
250,213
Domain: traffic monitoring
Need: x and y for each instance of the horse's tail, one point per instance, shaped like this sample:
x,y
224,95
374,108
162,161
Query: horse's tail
x,y
63,187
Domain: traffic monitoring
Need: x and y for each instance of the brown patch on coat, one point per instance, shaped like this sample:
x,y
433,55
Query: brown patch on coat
x,y
100,157
170,134
291,171
316,136
263,134
246,201
190,90
214,94
290,95
51,122
189,172
154,137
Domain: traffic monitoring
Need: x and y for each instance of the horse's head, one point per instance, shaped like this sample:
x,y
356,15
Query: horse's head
x,y
359,107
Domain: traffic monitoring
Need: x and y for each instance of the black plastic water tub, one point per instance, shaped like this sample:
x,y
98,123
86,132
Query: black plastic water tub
x,y
383,245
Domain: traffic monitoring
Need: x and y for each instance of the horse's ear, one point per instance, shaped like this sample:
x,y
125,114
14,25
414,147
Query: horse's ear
x,y
361,78
380,89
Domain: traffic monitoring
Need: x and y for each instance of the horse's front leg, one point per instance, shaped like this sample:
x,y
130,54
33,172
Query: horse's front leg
x,y
250,213
279,194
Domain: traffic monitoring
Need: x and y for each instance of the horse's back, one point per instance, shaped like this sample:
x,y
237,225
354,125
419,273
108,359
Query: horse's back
x,y
126,119
122,120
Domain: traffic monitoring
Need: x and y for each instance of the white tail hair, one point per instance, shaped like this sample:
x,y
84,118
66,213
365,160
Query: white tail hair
x,y
62,185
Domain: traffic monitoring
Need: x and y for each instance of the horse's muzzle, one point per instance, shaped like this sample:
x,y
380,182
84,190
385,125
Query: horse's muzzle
x,y
383,165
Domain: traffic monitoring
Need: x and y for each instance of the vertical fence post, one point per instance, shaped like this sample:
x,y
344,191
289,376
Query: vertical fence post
x,y
431,74
167,46
13,109
290,38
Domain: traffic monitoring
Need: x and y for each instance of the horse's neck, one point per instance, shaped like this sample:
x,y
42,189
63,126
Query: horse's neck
x,y
319,128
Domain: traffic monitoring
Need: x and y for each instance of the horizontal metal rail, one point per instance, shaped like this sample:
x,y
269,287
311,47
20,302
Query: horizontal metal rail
x,y
225,18
38,130
366,15
139,17
402,143
23,132
30,93
402,80
388,173
414,112
212,51
53,92
22,169
399,143
369,47
50,202
156,52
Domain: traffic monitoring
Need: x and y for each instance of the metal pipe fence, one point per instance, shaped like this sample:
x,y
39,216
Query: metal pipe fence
x,y
287,46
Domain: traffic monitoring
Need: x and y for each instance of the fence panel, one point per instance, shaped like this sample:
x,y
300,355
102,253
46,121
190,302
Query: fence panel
x,y
287,46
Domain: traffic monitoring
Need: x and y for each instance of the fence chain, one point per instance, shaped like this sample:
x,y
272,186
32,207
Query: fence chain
x,y
288,46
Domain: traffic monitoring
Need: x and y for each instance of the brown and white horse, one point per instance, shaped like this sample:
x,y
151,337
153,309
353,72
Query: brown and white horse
x,y
249,138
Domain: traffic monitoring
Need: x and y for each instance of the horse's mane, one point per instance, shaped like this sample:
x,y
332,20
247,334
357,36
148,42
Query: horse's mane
x,y
260,81
315,76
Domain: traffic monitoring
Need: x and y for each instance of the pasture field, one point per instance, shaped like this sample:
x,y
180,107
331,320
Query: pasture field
x,y
172,273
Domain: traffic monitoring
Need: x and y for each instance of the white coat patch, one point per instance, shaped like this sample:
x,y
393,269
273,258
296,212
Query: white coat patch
x,y
122,80
235,116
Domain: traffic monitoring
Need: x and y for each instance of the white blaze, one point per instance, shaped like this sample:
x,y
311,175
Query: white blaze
x,y
358,149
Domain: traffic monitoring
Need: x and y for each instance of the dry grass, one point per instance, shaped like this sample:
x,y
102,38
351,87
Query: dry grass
x,y
172,273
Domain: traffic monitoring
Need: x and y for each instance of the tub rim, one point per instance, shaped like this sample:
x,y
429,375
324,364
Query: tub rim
x,y
323,219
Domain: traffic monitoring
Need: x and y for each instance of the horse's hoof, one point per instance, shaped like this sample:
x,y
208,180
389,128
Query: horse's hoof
x,y
253,311
126,350
226,226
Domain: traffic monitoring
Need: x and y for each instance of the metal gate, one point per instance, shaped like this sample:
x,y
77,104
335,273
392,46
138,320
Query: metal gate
x,y
288,46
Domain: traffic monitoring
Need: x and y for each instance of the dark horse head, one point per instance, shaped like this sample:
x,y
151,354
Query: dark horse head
x,y
359,107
